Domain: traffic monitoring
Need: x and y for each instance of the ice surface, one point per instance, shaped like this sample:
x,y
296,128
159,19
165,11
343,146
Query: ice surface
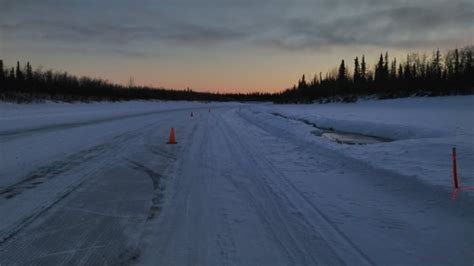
x,y
97,184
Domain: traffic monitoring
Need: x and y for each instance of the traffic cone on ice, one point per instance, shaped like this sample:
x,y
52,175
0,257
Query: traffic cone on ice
x,y
172,137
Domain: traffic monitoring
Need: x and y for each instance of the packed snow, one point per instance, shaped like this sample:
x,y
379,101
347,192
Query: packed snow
x,y
247,184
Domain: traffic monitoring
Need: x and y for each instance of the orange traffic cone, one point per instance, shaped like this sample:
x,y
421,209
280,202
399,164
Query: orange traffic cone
x,y
172,138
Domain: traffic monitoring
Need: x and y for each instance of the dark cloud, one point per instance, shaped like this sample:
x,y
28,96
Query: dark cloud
x,y
119,33
411,26
292,25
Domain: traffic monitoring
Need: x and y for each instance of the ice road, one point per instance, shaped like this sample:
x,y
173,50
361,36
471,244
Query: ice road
x,y
97,184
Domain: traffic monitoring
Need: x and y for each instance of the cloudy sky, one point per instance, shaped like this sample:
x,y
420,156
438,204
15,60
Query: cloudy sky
x,y
223,45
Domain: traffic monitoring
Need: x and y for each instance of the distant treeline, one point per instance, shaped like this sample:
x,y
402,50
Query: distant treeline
x,y
448,74
451,73
23,84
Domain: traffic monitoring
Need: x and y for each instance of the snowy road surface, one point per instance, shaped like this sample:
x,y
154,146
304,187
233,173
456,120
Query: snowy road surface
x,y
241,187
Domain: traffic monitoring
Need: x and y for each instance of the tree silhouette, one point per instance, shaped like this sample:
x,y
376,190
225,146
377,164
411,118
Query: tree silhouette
x,y
19,74
342,72
449,73
393,70
436,65
379,70
469,66
29,71
302,84
357,74
12,74
2,73
363,69
456,63
2,76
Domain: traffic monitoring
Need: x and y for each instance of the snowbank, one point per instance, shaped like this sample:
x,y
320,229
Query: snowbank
x,y
425,130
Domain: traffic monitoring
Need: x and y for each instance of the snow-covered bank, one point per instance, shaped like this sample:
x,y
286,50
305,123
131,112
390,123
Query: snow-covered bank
x,y
396,118
425,129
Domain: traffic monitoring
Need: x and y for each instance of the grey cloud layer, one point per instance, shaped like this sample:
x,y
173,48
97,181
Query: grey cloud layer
x,y
410,26
116,32
293,25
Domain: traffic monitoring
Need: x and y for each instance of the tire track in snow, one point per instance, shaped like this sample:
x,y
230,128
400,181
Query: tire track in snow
x,y
107,150
336,238
267,207
224,237
6,236
174,198
44,173
56,168
158,188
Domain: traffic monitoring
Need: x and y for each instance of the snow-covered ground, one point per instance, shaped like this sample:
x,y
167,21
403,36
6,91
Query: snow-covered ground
x,y
424,130
97,183
21,117
25,129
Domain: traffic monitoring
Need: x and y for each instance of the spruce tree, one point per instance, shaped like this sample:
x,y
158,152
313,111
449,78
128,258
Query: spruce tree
x,y
363,69
2,74
400,71
436,65
393,70
315,81
379,69
342,73
356,70
12,74
19,74
302,83
456,63
29,72
469,64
